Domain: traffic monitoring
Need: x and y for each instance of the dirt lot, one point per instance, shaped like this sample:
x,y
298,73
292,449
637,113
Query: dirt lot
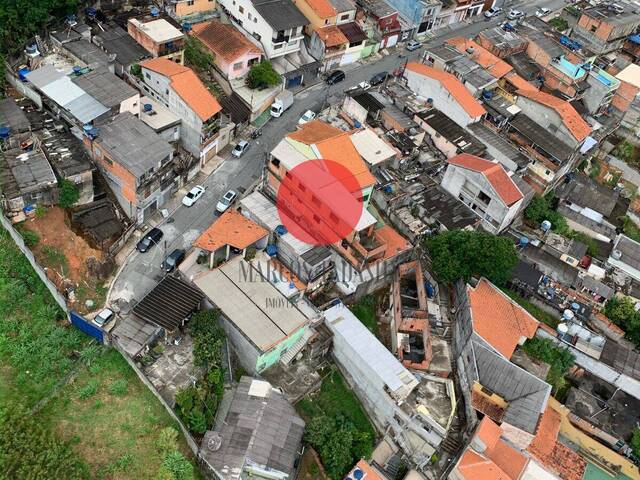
x,y
58,248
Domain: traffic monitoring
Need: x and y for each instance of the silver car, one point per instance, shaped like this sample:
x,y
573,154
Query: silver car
x,y
240,148
226,201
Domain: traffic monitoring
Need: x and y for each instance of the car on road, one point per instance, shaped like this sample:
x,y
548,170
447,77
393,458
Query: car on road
x,y
378,78
515,14
492,12
240,148
413,45
335,77
174,259
542,12
104,317
151,238
307,117
192,197
226,201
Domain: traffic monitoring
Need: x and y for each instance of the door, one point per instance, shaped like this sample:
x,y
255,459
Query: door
x,y
294,81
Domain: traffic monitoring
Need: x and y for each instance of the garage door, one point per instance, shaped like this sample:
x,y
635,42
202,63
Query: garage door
x,y
349,58
294,82
391,41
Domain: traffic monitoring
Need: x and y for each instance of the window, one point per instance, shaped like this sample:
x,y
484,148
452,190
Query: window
x,y
276,163
237,66
593,28
315,200
303,188
333,218
326,21
255,20
365,198
344,17
316,219
147,75
190,2
484,198
166,91
241,9
276,47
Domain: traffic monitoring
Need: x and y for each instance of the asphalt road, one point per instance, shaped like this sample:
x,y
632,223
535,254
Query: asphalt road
x,y
141,271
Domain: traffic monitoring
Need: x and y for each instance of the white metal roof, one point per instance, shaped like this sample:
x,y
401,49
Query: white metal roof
x,y
371,147
368,348
251,303
630,74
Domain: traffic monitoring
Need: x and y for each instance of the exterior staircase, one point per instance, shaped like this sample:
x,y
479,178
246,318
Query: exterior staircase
x,y
296,347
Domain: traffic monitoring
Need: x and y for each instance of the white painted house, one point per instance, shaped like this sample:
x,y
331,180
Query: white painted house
x,y
276,24
486,188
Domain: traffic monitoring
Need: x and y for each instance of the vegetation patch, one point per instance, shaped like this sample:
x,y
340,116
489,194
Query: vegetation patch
x,y
622,312
533,309
337,426
560,360
262,75
365,310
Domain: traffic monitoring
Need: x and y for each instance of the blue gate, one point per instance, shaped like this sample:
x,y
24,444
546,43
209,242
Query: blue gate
x,y
86,326
294,81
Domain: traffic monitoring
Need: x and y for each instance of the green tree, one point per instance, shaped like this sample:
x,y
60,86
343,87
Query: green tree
x,y
69,193
461,254
208,338
622,312
263,75
540,209
635,442
196,55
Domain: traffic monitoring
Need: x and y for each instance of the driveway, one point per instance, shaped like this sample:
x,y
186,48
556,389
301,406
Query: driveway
x,y
141,271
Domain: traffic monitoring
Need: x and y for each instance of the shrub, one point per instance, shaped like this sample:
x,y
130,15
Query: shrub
x,y
136,70
119,387
167,440
635,442
30,238
263,75
69,194
176,467
559,359
208,338
196,55
89,390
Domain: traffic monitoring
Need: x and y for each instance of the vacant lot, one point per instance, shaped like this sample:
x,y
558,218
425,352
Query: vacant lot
x,y
83,393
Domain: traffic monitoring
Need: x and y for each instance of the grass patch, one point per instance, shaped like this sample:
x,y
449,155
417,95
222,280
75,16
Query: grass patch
x,y
534,310
54,258
365,310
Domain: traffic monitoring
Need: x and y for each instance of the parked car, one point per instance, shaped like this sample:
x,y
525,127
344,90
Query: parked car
x,y
104,317
378,78
174,259
335,77
307,117
542,12
413,45
240,148
226,201
192,197
151,238
492,12
515,14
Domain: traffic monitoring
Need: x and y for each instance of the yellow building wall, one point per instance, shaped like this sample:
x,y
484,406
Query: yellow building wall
x,y
314,20
199,6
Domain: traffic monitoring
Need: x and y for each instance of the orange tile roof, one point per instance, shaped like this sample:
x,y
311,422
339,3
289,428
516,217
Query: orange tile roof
x,y
552,454
370,472
224,40
495,173
518,82
232,228
485,406
578,127
187,85
288,274
322,8
395,242
453,86
313,132
331,36
340,149
494,65
498,319
498,460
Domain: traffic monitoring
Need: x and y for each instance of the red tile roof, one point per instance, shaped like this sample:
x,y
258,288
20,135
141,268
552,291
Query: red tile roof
x,y
322,8
494,65
518,82
498,319
453,86
232,228
224,40
485,406
313,132
495,173
578,127
187,85
473,466
331,36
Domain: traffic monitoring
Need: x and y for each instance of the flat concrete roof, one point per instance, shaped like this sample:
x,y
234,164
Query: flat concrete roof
x,y
251,303
158,30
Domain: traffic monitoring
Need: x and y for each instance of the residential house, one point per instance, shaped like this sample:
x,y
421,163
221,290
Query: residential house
x,y
158,37
501,43
489,326
80,51
490,456
625,259
191,10
117,42
589,207
162,120
603,29
499,147
233,53
180,89
374,150
362,106
445,91
322,13
337,45
13,117
381,21
422,15
109,90
259,320
627,97
415,410
486,188
447,136
276,24
136,163
260,412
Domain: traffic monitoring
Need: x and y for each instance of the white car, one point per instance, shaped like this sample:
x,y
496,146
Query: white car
x,y
515,14
192,197
240,148
102,318
307,117
492,12
542,12
226,201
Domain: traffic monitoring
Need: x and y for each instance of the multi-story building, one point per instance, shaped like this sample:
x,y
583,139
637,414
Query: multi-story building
x,y
604,29
180,89
627,97
158,36
486,188
136,162
277,24
382,20
322,13
191,10
422,14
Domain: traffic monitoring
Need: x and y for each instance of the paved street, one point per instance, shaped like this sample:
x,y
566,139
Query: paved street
x,y
142,271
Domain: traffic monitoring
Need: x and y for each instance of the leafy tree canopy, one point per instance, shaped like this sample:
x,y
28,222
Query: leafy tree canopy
x,y
622,312
196,55
69,193
461,254
263,75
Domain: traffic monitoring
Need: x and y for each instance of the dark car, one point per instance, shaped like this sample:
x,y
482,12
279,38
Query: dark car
x,y
174,259
378,78
151,238
335,77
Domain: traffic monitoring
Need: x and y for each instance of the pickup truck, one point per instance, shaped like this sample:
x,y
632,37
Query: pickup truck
x,y
282,102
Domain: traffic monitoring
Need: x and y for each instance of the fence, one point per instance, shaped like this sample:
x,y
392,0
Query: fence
x,y
116,246
85,326
17,238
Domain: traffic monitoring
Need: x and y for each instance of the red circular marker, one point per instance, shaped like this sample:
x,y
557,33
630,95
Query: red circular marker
x,y
319,202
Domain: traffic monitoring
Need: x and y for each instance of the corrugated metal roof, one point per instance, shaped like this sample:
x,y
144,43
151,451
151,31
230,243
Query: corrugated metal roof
x,y
43,76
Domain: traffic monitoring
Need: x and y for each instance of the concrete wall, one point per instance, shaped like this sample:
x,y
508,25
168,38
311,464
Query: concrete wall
x,y
229,68
247,352
315,21
547,118
273,356
184,8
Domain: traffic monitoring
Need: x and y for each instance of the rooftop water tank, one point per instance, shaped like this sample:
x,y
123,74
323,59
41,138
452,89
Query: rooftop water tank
x,y
575,306
616,254
523,242
562,328
272,250
545,225
568,315
281,230
155,12
5,131
77,69
147,107
358,474
186,26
